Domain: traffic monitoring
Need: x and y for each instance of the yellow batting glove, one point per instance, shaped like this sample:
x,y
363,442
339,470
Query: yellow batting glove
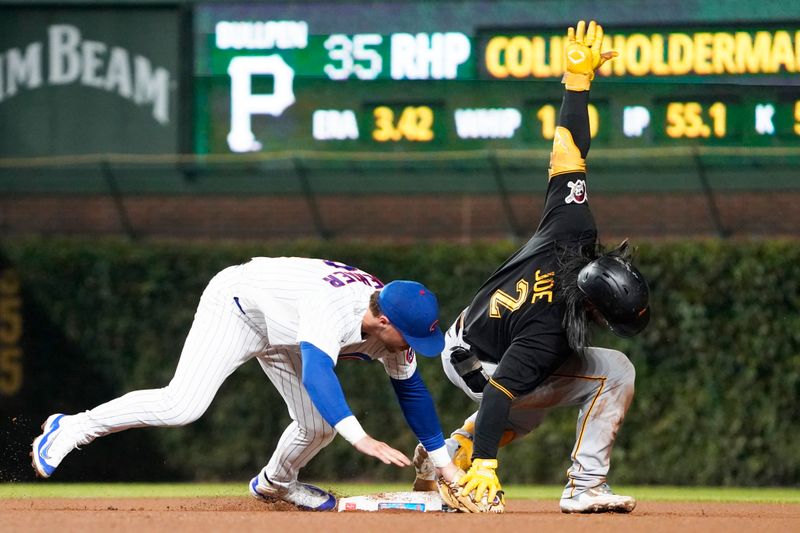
x,y
584,55
482,479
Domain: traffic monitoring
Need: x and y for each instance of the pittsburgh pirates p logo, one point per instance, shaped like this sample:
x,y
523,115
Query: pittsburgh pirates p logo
x,y
245,104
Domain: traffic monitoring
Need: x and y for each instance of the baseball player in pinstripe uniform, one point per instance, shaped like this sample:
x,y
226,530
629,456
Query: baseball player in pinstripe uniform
x,y
521,347
297,317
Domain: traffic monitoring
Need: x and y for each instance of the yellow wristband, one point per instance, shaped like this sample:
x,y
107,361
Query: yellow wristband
x,y
477,464
576,82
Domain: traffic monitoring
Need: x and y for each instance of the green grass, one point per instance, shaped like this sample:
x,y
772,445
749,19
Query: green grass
x,y
532,492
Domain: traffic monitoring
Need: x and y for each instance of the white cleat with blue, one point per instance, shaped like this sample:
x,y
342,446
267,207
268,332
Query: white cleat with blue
x,y
306,497
51,446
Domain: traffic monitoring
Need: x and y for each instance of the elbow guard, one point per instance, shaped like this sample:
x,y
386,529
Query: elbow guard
x,y
565,157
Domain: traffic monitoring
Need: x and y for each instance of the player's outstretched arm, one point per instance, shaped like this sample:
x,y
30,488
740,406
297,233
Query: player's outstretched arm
x,y
572,138
420,414
326,394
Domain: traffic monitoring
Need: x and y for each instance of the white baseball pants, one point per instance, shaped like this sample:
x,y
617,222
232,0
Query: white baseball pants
x,y
220,340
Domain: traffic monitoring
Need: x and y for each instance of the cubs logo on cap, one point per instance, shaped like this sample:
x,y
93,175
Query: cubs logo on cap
x,y
414,311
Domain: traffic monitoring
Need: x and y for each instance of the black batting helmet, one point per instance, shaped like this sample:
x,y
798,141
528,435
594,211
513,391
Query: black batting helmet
x,y
619,293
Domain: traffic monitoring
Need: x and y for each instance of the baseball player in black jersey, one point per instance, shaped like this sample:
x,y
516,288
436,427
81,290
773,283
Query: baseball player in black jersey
x,y
520,348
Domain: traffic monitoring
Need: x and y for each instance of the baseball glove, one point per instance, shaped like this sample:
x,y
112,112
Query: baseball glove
x,y
453,494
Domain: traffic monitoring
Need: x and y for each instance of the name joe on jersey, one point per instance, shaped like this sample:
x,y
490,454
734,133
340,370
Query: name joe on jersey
x,y
542,290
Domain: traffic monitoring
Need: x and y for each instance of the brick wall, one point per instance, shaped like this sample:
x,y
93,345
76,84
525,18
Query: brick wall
x,y
406,218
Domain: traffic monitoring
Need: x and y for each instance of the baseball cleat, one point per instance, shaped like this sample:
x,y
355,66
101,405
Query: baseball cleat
x,y
599,499
426,472
305,496
50,448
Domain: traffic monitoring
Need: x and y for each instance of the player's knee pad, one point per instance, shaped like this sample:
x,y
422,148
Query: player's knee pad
x,y
463,436
508,436
463,456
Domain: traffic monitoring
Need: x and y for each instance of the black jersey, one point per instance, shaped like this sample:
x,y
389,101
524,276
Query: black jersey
x,y
515,319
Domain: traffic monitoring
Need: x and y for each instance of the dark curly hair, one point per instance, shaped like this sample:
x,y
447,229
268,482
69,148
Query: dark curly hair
x,y
571,259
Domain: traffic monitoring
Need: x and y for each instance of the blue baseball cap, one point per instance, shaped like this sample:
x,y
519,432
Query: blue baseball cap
x,y
414,311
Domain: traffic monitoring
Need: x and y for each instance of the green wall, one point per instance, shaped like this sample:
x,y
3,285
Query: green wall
x,y
89,80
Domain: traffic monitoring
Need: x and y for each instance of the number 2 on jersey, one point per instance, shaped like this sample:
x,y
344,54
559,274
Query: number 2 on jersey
x,y
542,290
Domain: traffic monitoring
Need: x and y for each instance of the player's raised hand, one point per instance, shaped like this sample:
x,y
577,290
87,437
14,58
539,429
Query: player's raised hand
x,y
584,55
598,56
380,450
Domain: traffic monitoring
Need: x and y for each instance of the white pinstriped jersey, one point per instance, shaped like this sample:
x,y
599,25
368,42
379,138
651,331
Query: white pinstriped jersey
x,y
260,310
291,300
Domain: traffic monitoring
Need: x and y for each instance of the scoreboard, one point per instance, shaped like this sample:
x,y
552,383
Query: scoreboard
x,y
416,76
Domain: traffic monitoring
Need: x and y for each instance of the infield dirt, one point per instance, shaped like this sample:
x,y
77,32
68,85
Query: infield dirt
x,y
178,515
